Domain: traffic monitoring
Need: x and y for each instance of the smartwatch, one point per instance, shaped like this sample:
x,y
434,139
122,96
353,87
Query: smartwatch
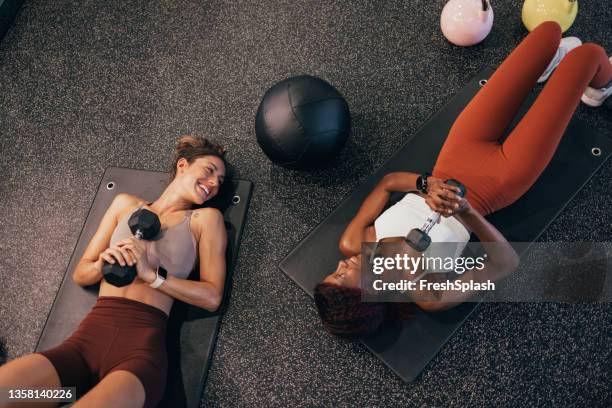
x,y
160,277
421,183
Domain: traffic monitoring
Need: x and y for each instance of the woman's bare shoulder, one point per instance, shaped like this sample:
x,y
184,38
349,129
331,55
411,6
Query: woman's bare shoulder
x,y
204,219
124,203
207,215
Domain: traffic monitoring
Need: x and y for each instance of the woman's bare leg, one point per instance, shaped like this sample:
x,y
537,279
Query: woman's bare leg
x,y
31,371
118,389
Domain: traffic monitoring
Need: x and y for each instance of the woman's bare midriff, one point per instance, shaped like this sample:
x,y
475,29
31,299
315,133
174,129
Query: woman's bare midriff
x,y
139,290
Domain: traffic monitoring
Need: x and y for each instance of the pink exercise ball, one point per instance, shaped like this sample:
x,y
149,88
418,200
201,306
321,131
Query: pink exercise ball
x,y
466,22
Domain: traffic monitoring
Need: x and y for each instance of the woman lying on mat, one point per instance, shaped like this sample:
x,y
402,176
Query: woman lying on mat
x,y
495,174
120,345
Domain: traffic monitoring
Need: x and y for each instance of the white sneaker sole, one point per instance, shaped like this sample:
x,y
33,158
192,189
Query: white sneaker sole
x,y
595,103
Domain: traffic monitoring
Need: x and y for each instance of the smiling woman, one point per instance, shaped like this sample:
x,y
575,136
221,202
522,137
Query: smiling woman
x,y
496,172
117,356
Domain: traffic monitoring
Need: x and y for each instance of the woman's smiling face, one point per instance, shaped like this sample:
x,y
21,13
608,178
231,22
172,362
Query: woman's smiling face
x,y
348,273
202,178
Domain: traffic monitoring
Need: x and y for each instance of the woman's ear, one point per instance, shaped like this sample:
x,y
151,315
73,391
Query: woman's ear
x,y
181,165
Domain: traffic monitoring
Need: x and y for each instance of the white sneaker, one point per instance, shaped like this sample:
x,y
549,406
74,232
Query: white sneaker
x,y
566,45
596,96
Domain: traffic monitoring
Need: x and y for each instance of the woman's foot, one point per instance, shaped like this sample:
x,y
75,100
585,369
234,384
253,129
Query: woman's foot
x,y
566,45
597,96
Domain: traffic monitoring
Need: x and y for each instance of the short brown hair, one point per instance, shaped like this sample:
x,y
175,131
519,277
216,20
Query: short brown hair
x,y
191,147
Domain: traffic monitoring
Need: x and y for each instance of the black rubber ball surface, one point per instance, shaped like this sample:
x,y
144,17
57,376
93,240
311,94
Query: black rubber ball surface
x,y
302,122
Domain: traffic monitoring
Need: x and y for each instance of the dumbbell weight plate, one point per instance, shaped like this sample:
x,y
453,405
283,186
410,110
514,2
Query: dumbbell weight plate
x,y
118,275
145,221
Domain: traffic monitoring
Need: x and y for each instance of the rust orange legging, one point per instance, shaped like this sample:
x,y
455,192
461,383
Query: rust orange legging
x,y
497,174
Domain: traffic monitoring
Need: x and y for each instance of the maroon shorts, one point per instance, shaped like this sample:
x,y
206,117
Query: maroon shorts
x,y
118,334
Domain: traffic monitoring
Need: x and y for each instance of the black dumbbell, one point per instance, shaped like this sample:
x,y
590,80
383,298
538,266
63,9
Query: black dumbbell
x,y
419,238
144,224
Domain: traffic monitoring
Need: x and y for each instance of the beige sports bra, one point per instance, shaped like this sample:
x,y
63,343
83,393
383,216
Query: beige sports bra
x,y
174,248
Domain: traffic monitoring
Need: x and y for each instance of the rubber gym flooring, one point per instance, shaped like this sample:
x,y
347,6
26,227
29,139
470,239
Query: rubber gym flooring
x,y
90,84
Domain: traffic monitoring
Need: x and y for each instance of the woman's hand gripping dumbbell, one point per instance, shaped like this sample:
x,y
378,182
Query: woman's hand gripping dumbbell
x,y
145,225
445,199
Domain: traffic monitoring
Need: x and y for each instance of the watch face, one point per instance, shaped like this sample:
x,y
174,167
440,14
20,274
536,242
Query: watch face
x,y
162,273
419,183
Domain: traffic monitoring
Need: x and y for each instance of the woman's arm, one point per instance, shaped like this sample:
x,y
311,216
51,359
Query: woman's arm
x,y
353,236
502,260
89,269
441,198
206,293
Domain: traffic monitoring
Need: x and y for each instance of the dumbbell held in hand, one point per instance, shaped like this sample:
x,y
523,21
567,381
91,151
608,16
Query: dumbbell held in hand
x,y
144,224
418,238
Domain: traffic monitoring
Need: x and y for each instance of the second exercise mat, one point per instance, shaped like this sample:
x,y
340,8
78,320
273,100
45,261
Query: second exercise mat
x,y
408,348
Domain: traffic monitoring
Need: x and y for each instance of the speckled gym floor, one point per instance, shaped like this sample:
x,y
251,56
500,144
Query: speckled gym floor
x,y
90,84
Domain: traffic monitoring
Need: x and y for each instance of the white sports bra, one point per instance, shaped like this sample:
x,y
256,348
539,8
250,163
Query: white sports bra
x,y
412,212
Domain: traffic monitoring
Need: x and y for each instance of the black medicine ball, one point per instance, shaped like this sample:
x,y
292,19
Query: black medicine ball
x,y
302,122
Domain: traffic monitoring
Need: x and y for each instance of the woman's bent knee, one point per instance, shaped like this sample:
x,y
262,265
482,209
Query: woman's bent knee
x,y
550,26
586,51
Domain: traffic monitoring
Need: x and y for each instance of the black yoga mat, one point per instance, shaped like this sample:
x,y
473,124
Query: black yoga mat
x,y
191,331
8,11
407,348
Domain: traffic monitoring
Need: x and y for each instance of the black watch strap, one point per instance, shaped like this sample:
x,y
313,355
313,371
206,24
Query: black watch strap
x,y
421,183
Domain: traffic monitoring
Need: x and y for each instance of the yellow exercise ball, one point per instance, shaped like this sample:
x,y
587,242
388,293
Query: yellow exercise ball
x,y
537,11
